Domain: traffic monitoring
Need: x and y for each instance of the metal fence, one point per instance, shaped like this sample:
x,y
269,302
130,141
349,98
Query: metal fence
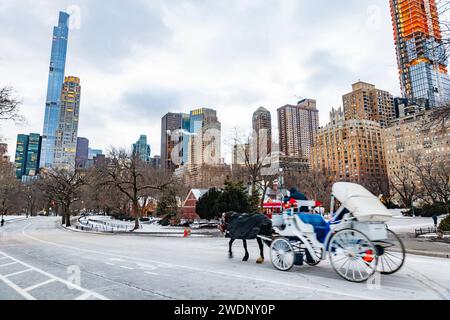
x,y
422,231
103,226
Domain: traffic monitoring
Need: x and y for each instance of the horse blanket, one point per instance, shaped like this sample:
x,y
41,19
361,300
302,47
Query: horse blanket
x,y
248,226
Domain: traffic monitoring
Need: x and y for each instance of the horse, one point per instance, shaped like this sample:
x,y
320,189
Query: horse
x,y
233,223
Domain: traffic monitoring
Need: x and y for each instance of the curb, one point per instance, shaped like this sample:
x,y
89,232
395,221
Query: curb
x,y
429,254
153,234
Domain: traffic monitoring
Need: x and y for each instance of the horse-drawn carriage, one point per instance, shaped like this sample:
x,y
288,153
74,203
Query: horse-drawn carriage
x,y
356,240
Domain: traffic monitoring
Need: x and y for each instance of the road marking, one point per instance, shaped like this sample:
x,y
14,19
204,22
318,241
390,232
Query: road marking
x,y
16,273
28,296
110,264
16,288
39,285
151,273
84,296
224,274
7,264
124,267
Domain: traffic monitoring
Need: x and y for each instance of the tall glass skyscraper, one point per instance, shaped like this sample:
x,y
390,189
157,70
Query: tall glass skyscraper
x,y
65,148
33,154
420,51
142,149
55,84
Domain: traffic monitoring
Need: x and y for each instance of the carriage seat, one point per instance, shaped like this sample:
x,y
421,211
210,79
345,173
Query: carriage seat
x,y
321,227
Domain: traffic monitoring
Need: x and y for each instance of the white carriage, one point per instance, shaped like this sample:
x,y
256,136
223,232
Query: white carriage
x,y
356,240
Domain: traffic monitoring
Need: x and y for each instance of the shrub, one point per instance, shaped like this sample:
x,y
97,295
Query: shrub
x,y
445,224
429,210
434,209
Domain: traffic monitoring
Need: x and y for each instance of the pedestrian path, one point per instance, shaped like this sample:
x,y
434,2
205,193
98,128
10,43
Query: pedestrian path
x,y
32,283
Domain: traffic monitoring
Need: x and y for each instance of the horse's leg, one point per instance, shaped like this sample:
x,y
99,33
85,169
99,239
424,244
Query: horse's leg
x,y
247,256
231,246
261,251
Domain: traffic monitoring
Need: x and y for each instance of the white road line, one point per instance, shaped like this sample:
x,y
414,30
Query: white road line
x,y
124,267
110,264
224,274
16,288
31,288
16,273
67,283
152,273
84,296
7,264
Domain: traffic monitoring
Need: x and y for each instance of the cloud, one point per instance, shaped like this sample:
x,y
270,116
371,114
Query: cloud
x,y
140,59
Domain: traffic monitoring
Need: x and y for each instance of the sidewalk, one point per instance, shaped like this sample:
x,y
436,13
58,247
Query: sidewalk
x,y
425,246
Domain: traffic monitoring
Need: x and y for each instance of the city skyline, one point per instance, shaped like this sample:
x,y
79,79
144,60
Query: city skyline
x,y
328,75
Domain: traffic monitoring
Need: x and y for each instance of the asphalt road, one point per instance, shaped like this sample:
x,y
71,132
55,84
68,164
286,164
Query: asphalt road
x,y
39,260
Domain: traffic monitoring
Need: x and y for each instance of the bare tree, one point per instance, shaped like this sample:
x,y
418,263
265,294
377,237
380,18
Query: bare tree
x,y
255,162
133,178
64,187
33,197
433,172
9,189
9,105
405,185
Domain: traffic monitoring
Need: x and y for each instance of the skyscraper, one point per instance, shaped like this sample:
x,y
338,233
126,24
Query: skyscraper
x,y
142,149
55,84
366,102
420,51
82,154
205,138
262,127
21,155
171,125
298,127
351,150
33,154
67,132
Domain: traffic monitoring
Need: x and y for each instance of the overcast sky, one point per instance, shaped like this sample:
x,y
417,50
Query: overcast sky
x,y
140,59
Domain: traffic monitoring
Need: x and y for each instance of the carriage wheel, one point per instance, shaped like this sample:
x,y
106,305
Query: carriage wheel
x,y
282,254
318,255
352,255
392,254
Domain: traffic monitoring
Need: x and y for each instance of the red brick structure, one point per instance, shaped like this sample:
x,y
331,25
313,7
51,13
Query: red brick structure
x,y
188,209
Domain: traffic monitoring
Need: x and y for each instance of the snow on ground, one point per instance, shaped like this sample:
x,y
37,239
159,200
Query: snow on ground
x,y
410,224
12,218
145,227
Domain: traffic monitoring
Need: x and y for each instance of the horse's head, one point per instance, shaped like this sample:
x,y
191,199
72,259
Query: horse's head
x,y
225,221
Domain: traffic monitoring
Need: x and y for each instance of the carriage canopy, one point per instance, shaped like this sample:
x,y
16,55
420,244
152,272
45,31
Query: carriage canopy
x,y
361,203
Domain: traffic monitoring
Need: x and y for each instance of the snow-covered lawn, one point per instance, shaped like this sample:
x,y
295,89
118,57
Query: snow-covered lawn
x,y
12,218
145,227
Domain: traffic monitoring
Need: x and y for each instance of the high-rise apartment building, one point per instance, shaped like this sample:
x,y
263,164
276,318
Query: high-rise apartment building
x,y
350,150
366,102
55,84
204,146
21,155
410,137
33,154
82,154
172,125
298,127
142,149
67,132
92,153
262,127
420,51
